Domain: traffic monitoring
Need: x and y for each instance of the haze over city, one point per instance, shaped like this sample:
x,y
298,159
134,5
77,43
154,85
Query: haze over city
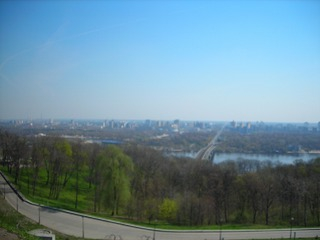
x,y
191,60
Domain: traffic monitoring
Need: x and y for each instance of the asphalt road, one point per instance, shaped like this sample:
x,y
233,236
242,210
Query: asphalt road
x,y
74,224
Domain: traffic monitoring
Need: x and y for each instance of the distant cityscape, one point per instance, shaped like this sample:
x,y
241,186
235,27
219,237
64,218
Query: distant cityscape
x,y
174,126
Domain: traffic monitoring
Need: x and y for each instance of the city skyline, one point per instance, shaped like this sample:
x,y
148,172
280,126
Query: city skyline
x,y
193,60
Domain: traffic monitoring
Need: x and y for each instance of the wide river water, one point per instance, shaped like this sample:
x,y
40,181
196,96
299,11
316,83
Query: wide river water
x,y
286,159
282,158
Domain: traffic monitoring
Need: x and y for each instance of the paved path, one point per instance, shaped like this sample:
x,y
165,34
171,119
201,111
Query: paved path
x,y
75,224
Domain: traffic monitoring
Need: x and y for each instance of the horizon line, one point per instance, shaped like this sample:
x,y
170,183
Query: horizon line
x,y
150,119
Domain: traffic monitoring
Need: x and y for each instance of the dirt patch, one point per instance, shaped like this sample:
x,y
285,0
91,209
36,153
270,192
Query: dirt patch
x,y
5,235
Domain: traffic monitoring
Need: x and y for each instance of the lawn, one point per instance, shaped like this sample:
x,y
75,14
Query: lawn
x,y
67,196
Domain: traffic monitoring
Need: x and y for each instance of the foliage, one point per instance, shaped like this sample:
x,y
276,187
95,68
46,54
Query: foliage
x,y
148,186
60,166
168,210
113,171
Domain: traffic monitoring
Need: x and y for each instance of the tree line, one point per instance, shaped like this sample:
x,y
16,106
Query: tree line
x,y
142,184
269,142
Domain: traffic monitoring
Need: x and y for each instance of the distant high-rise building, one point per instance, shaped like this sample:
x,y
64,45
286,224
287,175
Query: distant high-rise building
x,y
111,124
234,124
148,123
176,124
190,124
104,124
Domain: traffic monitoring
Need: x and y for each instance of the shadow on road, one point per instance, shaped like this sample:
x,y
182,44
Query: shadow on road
x,y
50,210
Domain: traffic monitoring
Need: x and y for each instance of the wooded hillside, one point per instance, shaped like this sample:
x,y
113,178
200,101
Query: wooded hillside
x,y
140,183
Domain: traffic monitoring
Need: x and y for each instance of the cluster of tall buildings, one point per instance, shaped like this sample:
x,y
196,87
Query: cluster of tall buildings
x,y
248,127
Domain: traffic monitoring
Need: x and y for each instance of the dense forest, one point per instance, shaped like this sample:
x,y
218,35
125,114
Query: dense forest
x,y
140,183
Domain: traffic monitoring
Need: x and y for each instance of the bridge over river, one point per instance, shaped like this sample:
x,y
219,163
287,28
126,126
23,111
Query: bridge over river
x,y
207,153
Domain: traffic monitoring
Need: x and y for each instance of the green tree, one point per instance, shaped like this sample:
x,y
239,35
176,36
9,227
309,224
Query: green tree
x,y
146,181
114,171
59,166
168,210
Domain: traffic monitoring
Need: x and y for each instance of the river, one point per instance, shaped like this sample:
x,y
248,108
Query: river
x,y
286,159
282,158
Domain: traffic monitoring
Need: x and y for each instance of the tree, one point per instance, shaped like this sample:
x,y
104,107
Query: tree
x,y
15,153
79,157
92,152
216,192
240,199
228,178
168,210
18,152
147,181
6,140
267,192
252,186
114,173
314,189
39,154
59,166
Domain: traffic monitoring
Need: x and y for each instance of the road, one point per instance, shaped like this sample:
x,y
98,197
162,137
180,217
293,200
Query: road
x,y
75,224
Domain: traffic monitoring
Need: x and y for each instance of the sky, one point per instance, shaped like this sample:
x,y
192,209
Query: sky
x,y
162,60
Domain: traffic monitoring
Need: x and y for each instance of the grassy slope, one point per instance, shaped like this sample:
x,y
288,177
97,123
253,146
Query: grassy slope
x,y
85,205
14,222
67,195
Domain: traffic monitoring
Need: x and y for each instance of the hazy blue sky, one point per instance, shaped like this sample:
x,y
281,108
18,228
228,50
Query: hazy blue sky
x,y
192,60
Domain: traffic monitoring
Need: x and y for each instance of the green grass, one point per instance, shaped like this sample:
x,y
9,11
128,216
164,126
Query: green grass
x,y
67,196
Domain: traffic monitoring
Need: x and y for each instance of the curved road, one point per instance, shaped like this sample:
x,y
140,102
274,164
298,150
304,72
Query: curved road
x,y
75,224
